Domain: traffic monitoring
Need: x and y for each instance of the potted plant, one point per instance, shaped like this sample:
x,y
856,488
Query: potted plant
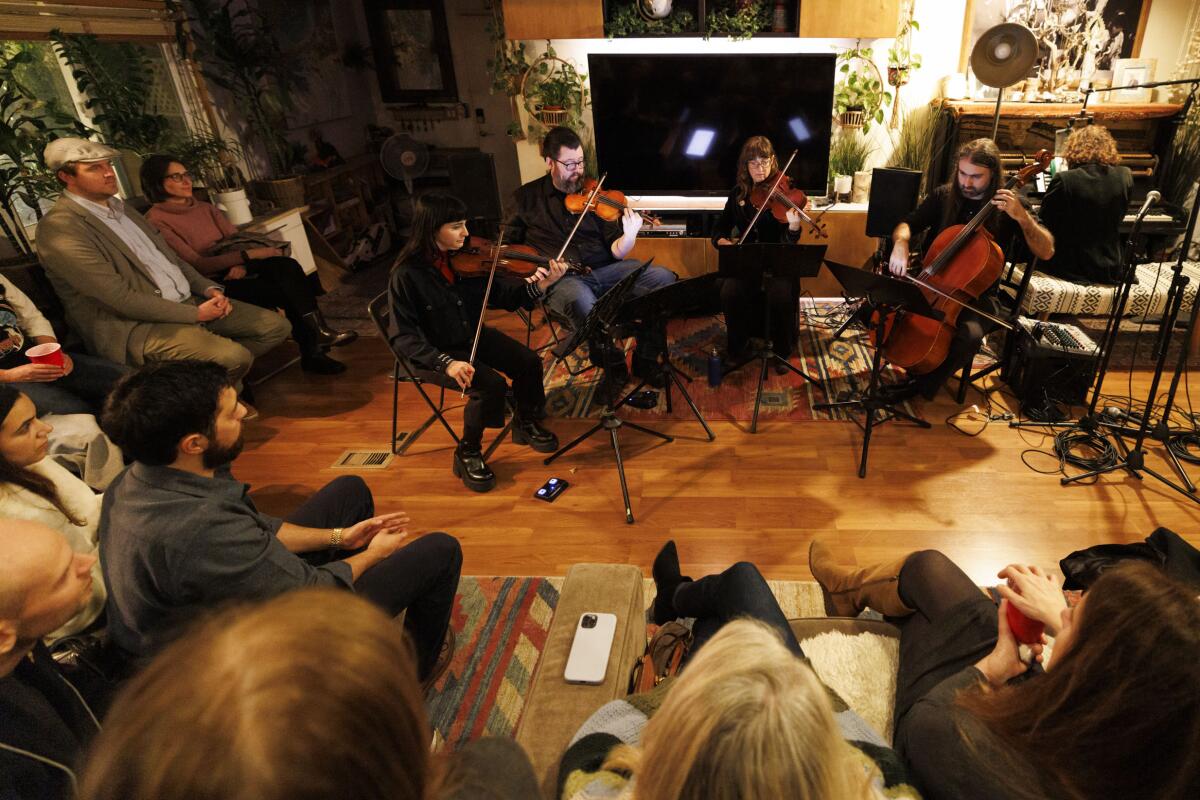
x,y
239,53
215,162
847,156
859,97
27,125
648,18
901,59
554,92
737,19
116,80
913,144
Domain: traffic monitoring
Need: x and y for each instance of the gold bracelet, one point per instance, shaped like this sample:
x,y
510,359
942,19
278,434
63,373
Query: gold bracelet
x,y
335,539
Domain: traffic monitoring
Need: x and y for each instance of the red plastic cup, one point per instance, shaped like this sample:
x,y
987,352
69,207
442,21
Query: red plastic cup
x,y
1026,630
49,353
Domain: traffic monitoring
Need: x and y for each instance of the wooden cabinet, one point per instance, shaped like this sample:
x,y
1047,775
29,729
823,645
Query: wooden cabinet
x,y
849,19
553,19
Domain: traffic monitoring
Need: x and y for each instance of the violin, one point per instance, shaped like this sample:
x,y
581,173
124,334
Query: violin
x,y
474,260
960,265
609,204
785,198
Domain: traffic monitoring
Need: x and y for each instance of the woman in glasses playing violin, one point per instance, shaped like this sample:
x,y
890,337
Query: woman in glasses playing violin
x,y
742,299
434,314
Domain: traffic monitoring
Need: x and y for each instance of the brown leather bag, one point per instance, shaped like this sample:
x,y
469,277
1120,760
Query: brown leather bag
x,y
664,655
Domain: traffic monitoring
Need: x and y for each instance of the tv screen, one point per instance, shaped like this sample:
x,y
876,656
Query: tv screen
x,y
673,124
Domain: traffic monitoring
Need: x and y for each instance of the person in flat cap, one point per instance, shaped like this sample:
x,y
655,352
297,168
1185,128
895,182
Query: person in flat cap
x,y
124,290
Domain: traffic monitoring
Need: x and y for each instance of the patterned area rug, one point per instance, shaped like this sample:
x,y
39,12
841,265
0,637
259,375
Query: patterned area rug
x,y
502,625
842,365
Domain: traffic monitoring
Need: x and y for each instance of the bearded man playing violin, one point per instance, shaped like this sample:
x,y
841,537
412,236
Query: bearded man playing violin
x,y
542,220
742,300
976,183
434,316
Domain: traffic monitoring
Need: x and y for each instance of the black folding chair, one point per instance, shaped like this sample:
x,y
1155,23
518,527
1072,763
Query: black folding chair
x,y
380,313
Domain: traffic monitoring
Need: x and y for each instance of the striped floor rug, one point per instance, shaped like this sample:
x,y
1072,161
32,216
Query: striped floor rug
x,y
501,625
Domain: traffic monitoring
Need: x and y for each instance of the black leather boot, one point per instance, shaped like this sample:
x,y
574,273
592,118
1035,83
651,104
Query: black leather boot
x,y
323,335
474,471
532,433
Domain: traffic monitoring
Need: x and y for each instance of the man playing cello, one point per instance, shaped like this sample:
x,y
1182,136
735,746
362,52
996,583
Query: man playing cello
x,y
956,202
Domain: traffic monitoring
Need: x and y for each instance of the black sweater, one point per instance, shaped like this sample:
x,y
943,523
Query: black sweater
x,y
737,216
1083,208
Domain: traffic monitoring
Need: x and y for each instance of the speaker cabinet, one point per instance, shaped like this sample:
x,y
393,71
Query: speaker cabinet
x,y
473,180
894,193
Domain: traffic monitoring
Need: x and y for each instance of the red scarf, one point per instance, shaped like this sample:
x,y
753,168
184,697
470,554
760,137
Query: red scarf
x,y
442,262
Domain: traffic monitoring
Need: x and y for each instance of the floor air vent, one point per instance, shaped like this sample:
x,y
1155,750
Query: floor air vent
x,y
363,459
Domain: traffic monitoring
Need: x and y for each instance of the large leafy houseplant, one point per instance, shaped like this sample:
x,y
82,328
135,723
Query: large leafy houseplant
x,y
239,53
27,125
214,160
116,79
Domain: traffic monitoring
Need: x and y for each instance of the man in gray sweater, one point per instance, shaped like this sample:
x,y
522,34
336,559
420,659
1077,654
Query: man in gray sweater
x,y
180,536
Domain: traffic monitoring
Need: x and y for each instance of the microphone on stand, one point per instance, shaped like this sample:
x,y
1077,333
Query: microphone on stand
x,y
1153,197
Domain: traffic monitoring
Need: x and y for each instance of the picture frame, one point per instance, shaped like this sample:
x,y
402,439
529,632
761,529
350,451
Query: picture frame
x,y
411,44
1132,72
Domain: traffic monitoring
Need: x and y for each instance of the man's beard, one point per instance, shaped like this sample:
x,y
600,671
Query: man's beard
x,y
216,456
569,185
972,194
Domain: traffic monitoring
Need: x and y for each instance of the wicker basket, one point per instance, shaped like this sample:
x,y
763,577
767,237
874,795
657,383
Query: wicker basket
x,y
851,119
283,193
551,116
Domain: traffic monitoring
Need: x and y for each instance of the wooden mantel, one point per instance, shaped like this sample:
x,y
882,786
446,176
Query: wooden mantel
x,y
1102,111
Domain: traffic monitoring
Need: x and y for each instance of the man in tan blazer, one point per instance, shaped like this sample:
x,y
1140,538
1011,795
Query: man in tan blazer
x,y
124,290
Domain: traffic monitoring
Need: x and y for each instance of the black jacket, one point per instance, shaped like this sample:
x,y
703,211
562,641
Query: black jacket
x,y
42,716
541,219
1083,208
431,316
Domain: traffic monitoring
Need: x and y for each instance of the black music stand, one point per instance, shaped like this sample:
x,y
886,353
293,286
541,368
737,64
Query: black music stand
x,y
767,261
694,297
600,322
884,295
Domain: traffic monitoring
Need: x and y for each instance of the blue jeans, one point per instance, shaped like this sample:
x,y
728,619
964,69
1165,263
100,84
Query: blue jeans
x,y
81,392
573,297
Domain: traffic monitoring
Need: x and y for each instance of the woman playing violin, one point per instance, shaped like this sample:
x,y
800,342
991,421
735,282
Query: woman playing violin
x,y
433,321
742,300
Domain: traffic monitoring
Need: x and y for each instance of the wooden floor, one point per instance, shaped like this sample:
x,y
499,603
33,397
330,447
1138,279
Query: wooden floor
x,y
761,497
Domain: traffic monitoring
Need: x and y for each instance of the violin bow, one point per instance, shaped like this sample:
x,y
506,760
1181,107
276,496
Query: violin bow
x,y
487,293
587,206
770,194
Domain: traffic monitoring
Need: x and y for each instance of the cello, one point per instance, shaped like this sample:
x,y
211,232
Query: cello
x,y
960,265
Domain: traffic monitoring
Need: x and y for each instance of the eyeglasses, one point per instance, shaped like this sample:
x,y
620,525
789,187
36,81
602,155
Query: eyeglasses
x,y
760,163
179,177
569,164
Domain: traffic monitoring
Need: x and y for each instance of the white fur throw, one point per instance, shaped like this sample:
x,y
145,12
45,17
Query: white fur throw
x,y
860,668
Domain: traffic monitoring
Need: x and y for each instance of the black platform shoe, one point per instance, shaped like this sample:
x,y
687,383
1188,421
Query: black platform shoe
x,y
532,433
474,471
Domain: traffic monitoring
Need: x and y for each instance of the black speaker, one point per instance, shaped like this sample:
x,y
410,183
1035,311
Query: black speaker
x,y
894,193
1041,375
473,180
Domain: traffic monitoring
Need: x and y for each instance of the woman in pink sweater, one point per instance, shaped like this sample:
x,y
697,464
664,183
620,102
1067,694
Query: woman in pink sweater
x,y
264,276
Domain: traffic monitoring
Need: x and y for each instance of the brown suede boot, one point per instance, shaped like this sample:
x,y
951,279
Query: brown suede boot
x,y
848,590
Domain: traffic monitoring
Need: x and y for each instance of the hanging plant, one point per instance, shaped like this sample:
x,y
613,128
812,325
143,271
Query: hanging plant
x,y
859,97
737,19
901,59
554,93
507,66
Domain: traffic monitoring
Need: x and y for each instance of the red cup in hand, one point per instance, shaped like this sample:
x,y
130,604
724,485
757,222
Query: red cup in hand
x,y
49,353
1026,630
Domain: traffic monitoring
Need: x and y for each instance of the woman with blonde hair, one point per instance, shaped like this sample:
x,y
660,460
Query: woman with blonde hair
x,y
1083,209
311,695
748,718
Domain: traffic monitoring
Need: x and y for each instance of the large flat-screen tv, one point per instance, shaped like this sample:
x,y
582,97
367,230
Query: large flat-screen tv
x,y
673,124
